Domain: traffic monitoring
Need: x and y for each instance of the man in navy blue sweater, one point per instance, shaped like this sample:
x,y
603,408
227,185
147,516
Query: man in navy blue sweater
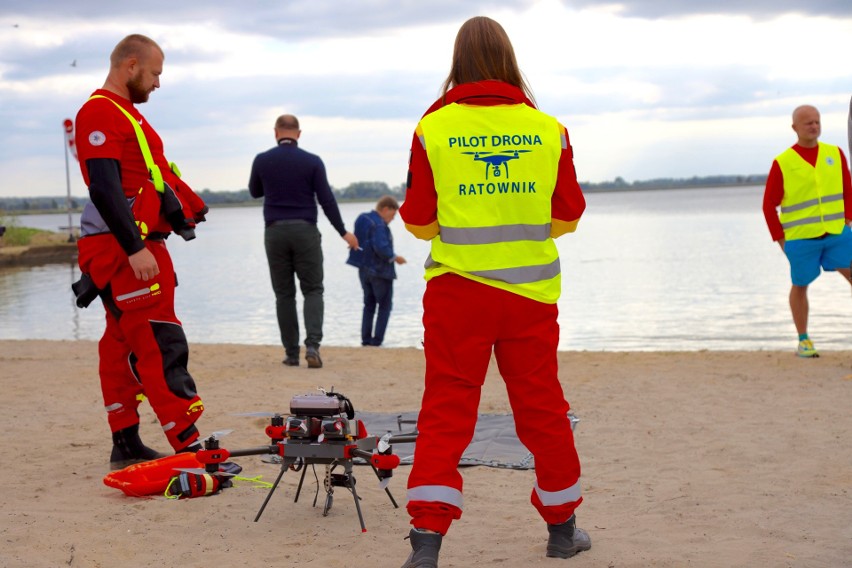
x,y
292,182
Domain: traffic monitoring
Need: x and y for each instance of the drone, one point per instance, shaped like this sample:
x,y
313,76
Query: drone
x,y
494,161
321,429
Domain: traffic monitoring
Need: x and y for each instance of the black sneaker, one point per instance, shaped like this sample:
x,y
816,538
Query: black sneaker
x,y
312,356
291,361
566,540
424,549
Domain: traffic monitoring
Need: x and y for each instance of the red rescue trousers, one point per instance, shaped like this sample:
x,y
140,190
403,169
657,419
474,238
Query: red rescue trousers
x,y
464,322
144,353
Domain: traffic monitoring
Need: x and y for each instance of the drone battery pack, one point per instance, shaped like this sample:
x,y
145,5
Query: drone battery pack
x,y
316,405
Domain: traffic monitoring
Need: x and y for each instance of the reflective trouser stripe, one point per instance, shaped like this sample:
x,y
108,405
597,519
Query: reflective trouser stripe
x,y
809,220
129,295
491,235
811,203
440,493
554,498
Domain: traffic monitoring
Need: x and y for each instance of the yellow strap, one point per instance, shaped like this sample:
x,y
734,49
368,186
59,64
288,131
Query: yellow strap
x,y
166,493
256,480
153,169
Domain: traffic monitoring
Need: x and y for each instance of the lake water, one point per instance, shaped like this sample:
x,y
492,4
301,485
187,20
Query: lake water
x,y
665,270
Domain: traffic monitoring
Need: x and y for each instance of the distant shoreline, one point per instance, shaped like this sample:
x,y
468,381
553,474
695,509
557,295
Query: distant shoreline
x,y
586,186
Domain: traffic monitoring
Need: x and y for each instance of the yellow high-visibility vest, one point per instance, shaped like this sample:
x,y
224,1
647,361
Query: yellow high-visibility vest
x,y
813,195
495,170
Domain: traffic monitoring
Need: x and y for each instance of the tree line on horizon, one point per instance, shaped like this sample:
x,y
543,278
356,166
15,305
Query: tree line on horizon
x,y
373,190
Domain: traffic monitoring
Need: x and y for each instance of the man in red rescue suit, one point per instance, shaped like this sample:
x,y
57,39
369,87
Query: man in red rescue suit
x,y
137,199
491,183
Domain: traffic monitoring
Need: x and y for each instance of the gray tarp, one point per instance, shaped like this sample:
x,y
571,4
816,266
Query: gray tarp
x,y
494,443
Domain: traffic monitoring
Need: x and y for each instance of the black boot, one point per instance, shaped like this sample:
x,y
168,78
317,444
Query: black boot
x,y
127,449
566,540
424,550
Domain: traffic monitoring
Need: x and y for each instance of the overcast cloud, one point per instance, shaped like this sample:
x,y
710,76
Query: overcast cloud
x,y
646,88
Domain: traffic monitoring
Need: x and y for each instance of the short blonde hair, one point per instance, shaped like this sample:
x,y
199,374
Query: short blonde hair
x,y
134,45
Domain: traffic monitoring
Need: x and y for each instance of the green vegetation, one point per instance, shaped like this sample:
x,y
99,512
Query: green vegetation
x,y
16,236
619,184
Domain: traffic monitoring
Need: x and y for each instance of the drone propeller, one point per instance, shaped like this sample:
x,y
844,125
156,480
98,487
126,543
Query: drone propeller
x,y
383,443
258,414
202,471
477,153
219,434
515,151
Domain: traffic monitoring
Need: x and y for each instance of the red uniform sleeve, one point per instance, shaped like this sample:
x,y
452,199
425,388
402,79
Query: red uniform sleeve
x,y
567,203
419,210
847,188
772,196
100,132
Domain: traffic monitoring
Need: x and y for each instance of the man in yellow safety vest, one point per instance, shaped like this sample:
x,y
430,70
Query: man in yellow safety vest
x,y
810,184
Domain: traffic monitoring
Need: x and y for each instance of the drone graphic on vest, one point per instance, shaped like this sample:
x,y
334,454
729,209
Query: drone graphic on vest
x,y
494,161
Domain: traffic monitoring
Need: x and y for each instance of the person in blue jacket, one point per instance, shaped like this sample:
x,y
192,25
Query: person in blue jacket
x,y
375,261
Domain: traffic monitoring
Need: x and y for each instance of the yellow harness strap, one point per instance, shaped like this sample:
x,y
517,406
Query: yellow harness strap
x,y
153,169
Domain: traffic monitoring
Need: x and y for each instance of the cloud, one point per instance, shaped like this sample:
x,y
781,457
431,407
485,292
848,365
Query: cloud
x,y
286,21
757,9
626,81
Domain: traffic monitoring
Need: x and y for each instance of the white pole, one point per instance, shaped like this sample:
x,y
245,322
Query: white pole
x,y
67,182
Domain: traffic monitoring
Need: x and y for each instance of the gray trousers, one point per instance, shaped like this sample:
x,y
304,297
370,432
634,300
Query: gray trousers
x,y
294,249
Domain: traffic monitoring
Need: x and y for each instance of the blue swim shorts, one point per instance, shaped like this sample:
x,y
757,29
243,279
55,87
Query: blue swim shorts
x,y
806,256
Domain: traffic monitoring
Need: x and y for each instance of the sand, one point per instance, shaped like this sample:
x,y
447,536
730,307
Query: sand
x,y
689,459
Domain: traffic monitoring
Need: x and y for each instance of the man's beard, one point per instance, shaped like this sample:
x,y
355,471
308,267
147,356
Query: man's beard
x,y
137,93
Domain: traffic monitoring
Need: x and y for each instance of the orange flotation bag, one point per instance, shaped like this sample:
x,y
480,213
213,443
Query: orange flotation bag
x,y
150,477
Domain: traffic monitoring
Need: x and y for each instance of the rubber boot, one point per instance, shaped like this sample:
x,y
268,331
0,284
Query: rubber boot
x,y
424,550
127,449
566,540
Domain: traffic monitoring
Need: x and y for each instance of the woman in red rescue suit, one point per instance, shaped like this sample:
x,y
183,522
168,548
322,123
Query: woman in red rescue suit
x,y
491,183
122,250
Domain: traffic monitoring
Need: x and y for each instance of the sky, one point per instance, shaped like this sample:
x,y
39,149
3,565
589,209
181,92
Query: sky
x,y
647,89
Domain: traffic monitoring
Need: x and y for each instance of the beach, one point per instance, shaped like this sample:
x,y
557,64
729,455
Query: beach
x,y
702,458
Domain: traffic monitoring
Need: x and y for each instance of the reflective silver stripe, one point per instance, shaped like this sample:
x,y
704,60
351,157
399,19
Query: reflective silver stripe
x,y
169,426
800,206
422,141
521,274
809,220
112,407
497,234
555,498
811,203
564,140
140,292
440,493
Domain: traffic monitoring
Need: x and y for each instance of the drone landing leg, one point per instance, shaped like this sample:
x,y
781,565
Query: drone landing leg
x,y
387,490
284,467
351,486
301,480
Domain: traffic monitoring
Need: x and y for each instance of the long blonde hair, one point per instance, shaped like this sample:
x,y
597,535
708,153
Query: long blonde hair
x,y
483,51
